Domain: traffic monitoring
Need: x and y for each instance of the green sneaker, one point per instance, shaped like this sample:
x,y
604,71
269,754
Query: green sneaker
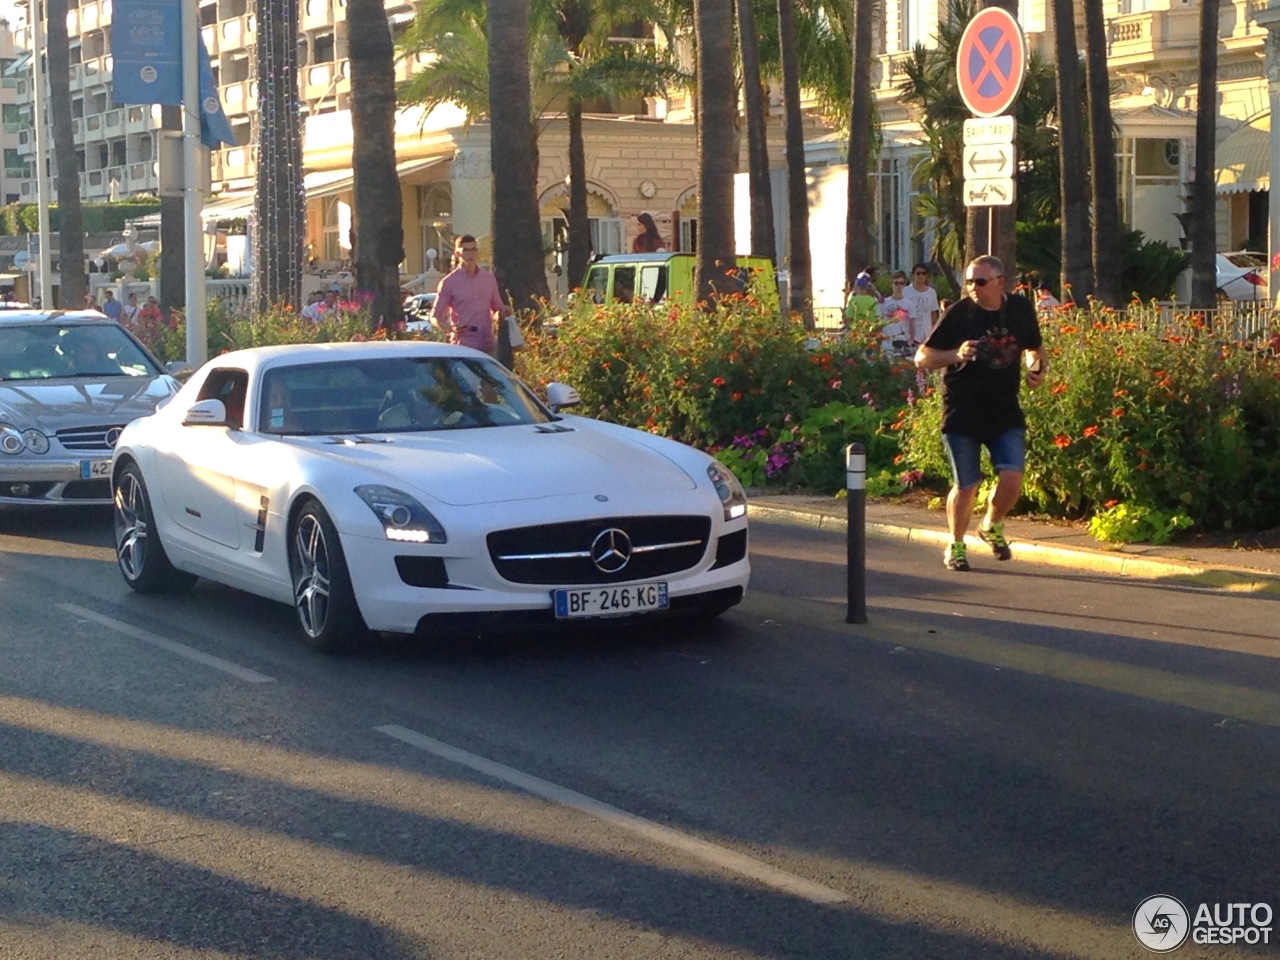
x,y
993,537
953,557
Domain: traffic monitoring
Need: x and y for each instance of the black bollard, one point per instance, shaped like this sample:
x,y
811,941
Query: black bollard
x,y
855,459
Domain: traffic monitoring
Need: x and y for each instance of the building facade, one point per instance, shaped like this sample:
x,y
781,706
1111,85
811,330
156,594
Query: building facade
x,y
642,157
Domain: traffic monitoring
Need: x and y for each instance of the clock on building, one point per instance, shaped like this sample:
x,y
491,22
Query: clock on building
x,y
648,188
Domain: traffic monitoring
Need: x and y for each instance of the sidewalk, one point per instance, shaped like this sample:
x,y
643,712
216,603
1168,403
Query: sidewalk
x,y
1223,568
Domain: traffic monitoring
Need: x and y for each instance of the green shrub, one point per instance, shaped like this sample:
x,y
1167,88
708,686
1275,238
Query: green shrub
x,y
1172,426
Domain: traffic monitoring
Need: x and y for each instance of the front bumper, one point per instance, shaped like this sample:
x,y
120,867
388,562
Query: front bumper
x,y
476,597
51,482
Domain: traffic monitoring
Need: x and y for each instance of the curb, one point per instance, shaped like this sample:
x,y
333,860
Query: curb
x,y
1188,573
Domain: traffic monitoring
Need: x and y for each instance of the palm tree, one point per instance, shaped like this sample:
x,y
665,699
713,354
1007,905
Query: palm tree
x,y
377,242
857,237
1204,235
801,265
717,113
763,239
279,205
573,62
1102,156
1077,268
517,236
70,220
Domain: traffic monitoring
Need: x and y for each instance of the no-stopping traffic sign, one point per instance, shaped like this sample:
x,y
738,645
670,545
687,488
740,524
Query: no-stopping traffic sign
x,y
991,62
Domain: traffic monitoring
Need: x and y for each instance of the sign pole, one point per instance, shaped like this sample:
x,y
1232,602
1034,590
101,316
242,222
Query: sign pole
x,y
197,316
43,194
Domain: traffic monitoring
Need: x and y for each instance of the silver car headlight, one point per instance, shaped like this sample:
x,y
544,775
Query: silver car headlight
x,y
403,517
36,441
732,496
11,441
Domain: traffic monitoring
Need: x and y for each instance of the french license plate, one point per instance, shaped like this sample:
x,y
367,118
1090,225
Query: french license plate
x,y
95,469
610,601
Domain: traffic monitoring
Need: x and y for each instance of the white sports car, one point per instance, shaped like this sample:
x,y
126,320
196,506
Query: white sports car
x,y
406,487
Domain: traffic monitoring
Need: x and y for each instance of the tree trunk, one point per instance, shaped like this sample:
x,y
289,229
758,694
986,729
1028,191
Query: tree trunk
x,y
1102,166
280,206
71,262
517,235
1077,267
717,111
857,228
579,222
764,241
173,233
376,216
1204,224
801,265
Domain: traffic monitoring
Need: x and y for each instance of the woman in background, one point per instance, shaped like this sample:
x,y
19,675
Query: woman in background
x,y
649,240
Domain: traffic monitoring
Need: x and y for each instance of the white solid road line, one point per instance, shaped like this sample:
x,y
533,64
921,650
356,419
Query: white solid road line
x,y
711,853
181,649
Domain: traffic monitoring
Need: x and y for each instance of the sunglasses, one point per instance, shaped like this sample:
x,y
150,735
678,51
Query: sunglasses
x,y
921,273
899,283
982,281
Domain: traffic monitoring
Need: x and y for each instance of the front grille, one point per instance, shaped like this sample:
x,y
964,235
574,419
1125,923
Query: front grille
x,y
87,490
34,491
559,553
87,439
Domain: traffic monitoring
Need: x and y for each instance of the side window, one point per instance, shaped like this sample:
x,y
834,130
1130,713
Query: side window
x,y
229,386
624,284
653,282
597,285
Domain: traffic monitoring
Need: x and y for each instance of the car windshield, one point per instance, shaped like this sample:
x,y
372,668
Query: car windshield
x,y
44,351
1246,260
394,395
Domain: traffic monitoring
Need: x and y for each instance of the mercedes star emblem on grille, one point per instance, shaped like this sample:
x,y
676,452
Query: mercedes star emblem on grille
x,y
113,435
611,550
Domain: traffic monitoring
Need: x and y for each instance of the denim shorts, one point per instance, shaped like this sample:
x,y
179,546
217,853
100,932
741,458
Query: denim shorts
x,y
1008,452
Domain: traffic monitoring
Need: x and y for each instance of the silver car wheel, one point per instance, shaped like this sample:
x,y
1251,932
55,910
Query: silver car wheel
x,y
311,584
132,526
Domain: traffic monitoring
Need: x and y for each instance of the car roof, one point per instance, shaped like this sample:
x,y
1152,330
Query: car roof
x,y
259,359
14,316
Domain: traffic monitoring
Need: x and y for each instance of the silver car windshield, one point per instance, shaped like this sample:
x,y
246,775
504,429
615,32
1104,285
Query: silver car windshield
x,y
394,395
45,351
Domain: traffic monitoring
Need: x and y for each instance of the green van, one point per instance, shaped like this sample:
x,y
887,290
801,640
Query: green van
x,y
655,277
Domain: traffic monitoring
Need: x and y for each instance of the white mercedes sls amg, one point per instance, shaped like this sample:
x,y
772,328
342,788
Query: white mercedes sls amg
x,y
415,488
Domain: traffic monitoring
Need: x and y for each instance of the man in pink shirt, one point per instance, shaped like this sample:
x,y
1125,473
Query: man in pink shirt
x,y
468,298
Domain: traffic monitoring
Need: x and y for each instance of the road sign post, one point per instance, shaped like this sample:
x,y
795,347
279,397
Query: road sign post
x,y
991,65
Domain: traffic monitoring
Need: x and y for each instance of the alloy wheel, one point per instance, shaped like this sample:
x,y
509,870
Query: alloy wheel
x,y
132,526
311,583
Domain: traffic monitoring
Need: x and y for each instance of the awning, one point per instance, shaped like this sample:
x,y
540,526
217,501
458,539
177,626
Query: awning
x,y
228,207
1244,158
330,183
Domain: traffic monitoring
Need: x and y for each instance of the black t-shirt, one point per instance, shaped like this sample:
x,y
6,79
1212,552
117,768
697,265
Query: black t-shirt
x,y
980,396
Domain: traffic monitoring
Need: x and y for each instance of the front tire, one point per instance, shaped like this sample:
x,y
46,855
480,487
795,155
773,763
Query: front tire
x,y
323,597
139,552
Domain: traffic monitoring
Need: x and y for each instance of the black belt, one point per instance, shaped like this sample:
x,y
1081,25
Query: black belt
x,y
472,329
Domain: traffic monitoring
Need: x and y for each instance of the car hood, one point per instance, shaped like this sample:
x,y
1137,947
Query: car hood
x,y
63,402
494,464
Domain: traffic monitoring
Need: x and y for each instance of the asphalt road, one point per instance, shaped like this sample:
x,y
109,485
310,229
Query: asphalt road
x,y
1002,764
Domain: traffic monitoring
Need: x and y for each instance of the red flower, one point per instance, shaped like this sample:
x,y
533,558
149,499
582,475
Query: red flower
x,y
1059,387
1091,431
737,395
1118,412
1062,441
1110,503
718,381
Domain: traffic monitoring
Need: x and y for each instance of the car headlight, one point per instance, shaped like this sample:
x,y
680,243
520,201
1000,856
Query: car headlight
x,y
732,496
11,441
403,517
36,441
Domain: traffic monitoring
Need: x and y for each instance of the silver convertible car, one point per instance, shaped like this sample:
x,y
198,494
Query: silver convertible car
x,y
419,487
69,382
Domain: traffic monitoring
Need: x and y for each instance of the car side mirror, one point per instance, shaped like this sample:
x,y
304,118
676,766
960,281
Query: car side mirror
x,y
561,395
206,413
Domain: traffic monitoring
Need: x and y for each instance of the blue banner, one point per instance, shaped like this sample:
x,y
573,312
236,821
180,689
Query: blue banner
x,y
215,129
146,51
